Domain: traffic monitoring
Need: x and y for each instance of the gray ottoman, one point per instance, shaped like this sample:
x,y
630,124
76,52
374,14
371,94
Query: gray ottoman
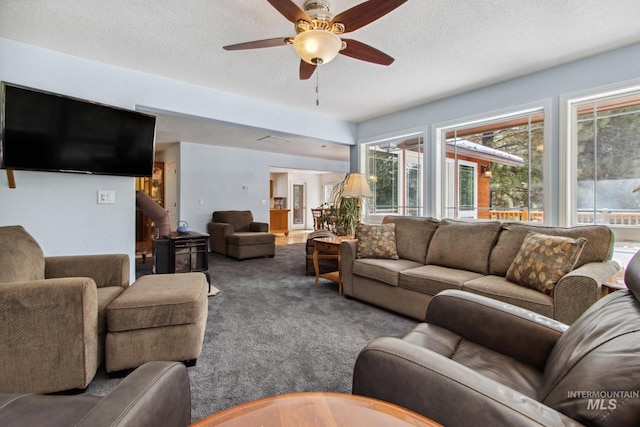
x,y
159,317
243,245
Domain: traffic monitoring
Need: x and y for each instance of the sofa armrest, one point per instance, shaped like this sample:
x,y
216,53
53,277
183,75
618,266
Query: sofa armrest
x,y
218,234
348,249
491,323
49,331
105,270
262,227
579,289
155,394
418,379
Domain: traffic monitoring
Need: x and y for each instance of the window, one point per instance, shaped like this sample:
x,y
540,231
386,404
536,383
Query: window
x,y
500,168
607,140
394,168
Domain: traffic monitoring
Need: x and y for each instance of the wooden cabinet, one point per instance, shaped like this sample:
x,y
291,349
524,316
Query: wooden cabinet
x,y
279,221
154,188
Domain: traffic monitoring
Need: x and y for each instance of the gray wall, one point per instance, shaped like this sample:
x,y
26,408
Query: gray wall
x,y
543,87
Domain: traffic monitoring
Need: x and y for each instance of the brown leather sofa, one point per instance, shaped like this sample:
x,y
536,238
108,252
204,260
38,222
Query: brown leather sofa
x,y
155,394
53,314
235,234
477,361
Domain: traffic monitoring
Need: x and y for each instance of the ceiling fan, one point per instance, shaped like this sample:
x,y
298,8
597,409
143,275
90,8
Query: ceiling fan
x,y
317,29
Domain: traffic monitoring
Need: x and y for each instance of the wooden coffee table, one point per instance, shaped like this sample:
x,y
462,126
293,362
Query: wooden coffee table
x,y
316,409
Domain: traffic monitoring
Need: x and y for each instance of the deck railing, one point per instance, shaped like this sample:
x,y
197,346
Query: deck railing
x,y
603,217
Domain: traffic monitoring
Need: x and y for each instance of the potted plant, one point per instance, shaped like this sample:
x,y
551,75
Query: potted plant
x,y
341,217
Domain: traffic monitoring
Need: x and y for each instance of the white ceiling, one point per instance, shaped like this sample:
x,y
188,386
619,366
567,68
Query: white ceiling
x,y
441,47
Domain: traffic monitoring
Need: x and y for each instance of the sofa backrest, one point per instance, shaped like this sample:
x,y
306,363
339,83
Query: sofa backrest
x,y
598,248
463,244
21,258
240,220
413,235
593,372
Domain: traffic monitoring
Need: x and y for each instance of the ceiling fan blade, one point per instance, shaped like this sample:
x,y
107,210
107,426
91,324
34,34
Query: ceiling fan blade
x,y
365,13
364,52
290,10
306,70
279,41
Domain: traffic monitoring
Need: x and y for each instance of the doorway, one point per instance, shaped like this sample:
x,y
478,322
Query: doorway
x,y
299,205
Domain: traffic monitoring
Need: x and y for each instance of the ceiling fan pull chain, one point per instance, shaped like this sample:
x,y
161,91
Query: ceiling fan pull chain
x,y
318,86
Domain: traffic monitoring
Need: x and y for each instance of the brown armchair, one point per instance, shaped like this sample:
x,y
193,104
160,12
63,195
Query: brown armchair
x,y
477,361
53,314
236,234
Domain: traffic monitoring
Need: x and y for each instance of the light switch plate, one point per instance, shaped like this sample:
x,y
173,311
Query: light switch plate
x,y
106,196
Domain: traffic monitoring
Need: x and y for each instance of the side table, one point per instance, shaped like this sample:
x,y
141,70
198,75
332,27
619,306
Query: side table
x,y
329,248
613,283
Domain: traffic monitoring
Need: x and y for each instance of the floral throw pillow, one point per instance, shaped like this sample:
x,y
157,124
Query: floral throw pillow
x,y
542,261
376,241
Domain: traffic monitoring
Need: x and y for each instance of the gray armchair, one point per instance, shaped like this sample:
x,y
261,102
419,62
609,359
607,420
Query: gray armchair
x,y
236,234
53,314
155,394
476,361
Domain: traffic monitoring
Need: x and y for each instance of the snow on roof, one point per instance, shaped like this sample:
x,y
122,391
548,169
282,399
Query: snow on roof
x,y
471,149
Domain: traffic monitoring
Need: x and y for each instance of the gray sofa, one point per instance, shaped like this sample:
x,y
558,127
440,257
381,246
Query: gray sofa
x,y
474,256
155,394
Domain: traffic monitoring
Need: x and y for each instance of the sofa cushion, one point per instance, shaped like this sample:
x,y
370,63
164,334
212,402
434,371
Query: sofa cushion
x,y
413,235
21,258
464,245
159,300
499,367
384,270
250,238
599,246
376,241
431,279
499,288
543,259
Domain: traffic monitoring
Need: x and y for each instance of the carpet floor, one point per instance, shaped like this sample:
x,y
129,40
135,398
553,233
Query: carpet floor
x,y
270,331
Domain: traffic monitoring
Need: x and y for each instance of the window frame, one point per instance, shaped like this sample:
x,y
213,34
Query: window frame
x,y
438,135
568,153
401,178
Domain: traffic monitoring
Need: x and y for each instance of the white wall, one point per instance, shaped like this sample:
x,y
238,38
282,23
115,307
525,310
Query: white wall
x,y
212,178
61,209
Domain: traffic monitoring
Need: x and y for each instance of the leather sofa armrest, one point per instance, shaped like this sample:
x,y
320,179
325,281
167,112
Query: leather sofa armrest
x,y
579,289
105,270
348,249
262,227
491,323
418,379
155,394
48,326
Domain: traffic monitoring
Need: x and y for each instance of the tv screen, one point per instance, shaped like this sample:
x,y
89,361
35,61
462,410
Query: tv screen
x,y
49,132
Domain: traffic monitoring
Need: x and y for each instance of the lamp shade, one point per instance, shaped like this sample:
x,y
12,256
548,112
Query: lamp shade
x,y
317,46
357,186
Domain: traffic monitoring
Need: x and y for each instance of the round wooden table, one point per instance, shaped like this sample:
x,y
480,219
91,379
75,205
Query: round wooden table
x,y
316,409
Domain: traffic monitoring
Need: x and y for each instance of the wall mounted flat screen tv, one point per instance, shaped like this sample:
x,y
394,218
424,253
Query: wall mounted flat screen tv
x,y
44,131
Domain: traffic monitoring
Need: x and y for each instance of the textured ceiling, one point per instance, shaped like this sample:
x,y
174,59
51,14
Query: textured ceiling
x,y
441,47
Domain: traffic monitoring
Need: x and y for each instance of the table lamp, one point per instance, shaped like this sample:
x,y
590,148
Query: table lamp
x,y
357,187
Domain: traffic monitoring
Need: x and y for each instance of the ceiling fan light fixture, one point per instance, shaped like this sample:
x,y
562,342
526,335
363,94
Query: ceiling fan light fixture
x,y
317,46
